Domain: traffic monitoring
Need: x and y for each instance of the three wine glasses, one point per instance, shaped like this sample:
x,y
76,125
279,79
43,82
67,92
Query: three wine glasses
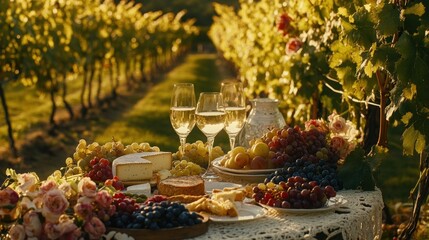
x,y
213,112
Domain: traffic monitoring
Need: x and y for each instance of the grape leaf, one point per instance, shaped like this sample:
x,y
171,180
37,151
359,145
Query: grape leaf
x,y
406,118
363,32
416,9
420,143
389,20
409,138
356,172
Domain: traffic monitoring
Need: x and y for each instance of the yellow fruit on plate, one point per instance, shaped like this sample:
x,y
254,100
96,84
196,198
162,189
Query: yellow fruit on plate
x,y
260,149
242,159
230,163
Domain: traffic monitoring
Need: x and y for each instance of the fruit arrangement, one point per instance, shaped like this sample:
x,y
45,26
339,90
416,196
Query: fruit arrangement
x,y
280,146
295,193
185,168
197,153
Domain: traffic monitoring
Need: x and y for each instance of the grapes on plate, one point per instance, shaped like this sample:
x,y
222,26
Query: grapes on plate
x,y
295,193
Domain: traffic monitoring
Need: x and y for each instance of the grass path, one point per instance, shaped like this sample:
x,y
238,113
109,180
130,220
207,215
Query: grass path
x,y
148,120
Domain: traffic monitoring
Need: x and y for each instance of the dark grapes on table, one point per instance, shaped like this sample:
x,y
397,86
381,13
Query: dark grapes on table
x,y
154,216
321,171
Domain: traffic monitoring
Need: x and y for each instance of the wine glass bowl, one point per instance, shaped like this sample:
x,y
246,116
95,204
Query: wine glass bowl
x,y
235,109
210,118
182,112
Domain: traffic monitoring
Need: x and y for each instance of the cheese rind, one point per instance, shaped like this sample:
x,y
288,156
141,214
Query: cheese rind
x,y
160,160
140,166
187,185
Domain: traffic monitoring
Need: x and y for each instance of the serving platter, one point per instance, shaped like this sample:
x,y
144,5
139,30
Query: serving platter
x,y
216,163
331,205
167,233
246,212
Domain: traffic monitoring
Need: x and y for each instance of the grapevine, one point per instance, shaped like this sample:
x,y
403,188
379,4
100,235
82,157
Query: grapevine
x,y
372,53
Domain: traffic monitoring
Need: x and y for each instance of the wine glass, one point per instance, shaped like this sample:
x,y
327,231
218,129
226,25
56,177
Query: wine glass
x,y
210,115
182,112
235,109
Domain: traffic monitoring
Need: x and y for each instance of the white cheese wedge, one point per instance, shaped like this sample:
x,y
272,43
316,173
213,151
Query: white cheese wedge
x,y
132,169
140,189
140,166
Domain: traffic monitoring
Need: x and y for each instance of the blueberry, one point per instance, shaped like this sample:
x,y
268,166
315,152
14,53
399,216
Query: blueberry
x,y
140,219
153,226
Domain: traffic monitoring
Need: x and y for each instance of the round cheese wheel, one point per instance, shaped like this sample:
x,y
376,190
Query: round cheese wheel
x,y
186,185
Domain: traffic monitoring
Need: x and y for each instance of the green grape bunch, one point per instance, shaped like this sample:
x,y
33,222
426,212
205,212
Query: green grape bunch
x,y
185,168
197,153
84,153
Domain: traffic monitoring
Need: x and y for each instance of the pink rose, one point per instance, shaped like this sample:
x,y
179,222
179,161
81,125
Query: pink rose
x,y
320,125
54,204
293,45
103,198
48,185
26,204
8,196
32,224
63,229
284,23
338,125
340,145
17,232
87,187
95,228
83,210
27,183
67,189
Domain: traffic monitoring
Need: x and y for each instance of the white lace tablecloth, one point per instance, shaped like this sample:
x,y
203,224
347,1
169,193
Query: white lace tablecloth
x,y
359,218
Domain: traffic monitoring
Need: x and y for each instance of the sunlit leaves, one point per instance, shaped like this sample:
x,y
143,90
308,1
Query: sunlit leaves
x,y
388,20
413,140
416,9
363,32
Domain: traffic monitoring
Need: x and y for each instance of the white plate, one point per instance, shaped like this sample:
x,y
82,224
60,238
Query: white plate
x,y
246,212
216,164
209,186
331,205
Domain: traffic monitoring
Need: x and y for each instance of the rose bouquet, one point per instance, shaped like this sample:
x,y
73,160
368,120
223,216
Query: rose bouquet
x,y
56,208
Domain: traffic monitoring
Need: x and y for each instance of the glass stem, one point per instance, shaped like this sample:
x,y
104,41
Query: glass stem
x,y
232,141
210,141
182,147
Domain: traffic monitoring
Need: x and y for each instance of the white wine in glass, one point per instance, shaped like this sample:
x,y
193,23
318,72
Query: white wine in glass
x,y
235,109
210,115
182,111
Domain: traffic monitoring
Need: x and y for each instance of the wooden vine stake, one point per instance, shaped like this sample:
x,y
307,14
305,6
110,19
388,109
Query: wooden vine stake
x,y
422,188
383,82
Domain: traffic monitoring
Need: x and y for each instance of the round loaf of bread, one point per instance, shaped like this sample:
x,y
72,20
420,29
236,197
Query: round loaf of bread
x,y
186,185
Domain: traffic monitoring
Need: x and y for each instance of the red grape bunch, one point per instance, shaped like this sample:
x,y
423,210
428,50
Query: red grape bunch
x,y
295,193
100,170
